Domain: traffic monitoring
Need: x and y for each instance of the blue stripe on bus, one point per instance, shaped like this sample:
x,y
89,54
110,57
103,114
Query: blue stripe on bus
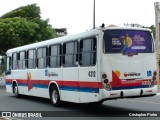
x,y
92,90
40,86
8,83
22,84
67,88
80,89
130,87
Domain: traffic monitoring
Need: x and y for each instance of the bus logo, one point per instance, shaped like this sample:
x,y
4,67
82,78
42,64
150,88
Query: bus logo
x,y
131,74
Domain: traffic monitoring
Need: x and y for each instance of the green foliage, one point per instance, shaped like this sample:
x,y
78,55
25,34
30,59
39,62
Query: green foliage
x,y
23,26
153,28
45,31
29,12
16,32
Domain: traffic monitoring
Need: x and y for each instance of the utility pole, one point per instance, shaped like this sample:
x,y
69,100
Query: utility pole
x,y
93,14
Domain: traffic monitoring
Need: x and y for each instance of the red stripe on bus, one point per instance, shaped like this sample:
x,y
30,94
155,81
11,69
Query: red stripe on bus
x,y
9,80
62,83
46,82
22,81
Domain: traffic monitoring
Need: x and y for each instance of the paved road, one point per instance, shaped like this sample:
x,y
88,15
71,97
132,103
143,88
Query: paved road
x,y
89,111
2,81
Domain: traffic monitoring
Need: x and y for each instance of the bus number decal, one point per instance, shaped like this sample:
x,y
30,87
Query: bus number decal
x,y
92,73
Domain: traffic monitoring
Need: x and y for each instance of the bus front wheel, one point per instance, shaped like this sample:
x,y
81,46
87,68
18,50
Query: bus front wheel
x,y
54,96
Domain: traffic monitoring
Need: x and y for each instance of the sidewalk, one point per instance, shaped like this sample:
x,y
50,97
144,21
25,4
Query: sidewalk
x,y
158,90
2,82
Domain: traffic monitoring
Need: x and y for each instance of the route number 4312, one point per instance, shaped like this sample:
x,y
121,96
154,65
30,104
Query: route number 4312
x,y
92,73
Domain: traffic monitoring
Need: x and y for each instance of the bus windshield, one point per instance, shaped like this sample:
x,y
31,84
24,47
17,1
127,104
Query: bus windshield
x,y
128,41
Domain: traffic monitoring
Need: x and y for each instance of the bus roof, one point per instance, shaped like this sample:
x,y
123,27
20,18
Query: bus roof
x,y
55,41
127,28
63,39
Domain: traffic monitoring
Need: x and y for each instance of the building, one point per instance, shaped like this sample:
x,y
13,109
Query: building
x,y
61,32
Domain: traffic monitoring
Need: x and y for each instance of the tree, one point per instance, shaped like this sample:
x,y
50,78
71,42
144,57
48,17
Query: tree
x,y
23,26
29,12
16,32
153,28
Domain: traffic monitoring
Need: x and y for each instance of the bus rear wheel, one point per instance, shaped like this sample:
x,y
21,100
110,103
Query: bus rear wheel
x,y
54,96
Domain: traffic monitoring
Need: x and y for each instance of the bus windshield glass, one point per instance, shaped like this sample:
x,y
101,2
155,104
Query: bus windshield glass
x,y
128,41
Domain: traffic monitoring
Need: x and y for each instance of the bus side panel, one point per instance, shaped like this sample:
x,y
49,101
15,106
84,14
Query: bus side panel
x,y
38,83
8,80
20,77
89,84
8,85
70,87
55,75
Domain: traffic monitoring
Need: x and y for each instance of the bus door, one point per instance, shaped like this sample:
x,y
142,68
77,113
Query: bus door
x,y
88,83
70,87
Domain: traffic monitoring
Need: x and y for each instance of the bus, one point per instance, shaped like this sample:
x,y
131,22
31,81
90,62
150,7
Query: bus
x,y
90,67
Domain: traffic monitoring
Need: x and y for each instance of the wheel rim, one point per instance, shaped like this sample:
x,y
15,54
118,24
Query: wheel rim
x,y
54,96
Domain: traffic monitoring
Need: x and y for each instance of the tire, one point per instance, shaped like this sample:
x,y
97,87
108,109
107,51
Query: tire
x,y
54,96
15,91
96,103
100,102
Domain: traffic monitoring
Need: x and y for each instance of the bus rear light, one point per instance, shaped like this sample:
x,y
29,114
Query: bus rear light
x,y
105,81
154,78
154,73
149,91
113,94
104,76
108,86
153,83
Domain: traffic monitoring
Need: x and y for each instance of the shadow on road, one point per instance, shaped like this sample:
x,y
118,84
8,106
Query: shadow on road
x,y
82,110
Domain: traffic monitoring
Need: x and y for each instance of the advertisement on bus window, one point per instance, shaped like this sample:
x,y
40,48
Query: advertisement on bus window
x,y
128,41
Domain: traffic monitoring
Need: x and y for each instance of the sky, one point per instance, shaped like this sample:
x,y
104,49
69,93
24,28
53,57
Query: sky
x,y
77,15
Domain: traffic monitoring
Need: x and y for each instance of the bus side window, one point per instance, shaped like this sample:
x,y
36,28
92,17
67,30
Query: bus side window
x,y
70,54
31,56
55,56
14,61
9,65
21,62
94,49
88,52
42,57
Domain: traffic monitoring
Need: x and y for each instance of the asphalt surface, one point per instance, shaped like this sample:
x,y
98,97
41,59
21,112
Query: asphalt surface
x,y
113,109
109,110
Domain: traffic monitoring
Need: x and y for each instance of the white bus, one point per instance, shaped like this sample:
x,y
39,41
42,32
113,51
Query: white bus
x,y
94,66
